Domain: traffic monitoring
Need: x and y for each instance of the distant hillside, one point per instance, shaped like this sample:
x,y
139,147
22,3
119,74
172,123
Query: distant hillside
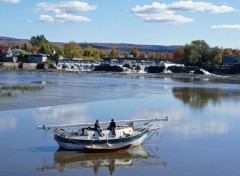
x,y
105,46
127,47
12,41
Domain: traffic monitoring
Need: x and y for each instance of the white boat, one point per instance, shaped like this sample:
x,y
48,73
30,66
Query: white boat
x,y
84,135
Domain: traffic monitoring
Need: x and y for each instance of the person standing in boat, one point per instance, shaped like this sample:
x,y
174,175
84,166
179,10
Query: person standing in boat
x,y
97,128
112,126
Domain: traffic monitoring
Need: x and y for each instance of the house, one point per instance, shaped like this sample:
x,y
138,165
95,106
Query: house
x,y
37,58
230,59
16,52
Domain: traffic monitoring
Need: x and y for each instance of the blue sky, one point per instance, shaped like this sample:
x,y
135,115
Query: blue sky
x,y
157,22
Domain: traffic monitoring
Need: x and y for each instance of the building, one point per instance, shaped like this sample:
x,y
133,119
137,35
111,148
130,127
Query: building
x,y
37,58
230,59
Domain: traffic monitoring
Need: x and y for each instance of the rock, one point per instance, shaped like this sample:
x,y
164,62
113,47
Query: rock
x,y
177,69
198,71
109,68
155,69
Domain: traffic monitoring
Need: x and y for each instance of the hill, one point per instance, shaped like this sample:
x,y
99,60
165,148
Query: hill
x,y
124,47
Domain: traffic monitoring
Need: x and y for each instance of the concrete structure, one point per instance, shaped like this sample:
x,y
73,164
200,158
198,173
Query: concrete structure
x,y
28,66
10,65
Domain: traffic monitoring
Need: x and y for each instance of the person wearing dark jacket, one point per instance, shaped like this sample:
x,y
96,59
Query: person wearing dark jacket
x,y
112,127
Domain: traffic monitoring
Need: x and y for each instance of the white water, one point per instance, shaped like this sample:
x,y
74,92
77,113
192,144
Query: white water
x,y
79,66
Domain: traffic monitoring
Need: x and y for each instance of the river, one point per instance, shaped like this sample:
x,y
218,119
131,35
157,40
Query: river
x,y
201,136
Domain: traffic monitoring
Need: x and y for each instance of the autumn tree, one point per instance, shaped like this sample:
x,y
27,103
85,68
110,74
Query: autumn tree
x,y
134,52
228,51
113,53
178,53
73,50
102,53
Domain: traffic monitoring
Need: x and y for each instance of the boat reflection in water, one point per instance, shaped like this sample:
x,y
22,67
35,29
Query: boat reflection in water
x,y
73,160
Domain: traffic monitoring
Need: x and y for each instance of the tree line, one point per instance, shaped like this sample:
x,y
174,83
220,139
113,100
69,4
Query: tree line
x,y
197,52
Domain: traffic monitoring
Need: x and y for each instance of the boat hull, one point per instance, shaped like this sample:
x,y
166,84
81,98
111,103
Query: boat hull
x,y
78,144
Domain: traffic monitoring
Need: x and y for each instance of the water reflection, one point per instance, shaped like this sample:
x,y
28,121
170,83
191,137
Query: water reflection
x,y
7,124
198,97
71,160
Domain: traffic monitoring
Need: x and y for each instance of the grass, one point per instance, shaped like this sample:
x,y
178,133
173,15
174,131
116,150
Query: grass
x,y
22,88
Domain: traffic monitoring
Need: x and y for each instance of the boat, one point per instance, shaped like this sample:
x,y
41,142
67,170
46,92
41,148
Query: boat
x,y
127,132
105,149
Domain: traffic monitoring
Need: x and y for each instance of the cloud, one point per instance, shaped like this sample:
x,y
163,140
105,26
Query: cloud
x,y
7,124
64,11
60,114
200,6
63,18
10,1
234,27
65,7
161,12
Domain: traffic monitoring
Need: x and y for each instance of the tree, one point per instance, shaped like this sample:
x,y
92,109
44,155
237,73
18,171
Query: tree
x,y
27,47
41,42
196,52
134,52
72,50
88,52
59,50
102,53
228,51
178,54
216,55
113,53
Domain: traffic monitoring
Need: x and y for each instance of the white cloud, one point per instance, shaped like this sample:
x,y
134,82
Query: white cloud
x,y
165,16
161,12
7,124
60,114
200,6
63,11
10,1
63,18
234,27
65,7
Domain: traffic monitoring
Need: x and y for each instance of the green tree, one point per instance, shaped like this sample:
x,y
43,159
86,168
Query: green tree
x,y
216,55
196,52
59,50
41,42
88,52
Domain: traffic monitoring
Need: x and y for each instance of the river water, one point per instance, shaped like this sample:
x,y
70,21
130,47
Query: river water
x,y
201,136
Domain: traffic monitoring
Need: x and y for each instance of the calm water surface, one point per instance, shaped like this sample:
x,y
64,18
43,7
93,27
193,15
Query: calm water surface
x,y
200,138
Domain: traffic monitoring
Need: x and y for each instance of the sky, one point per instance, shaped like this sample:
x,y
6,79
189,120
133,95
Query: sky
x,y
151,22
